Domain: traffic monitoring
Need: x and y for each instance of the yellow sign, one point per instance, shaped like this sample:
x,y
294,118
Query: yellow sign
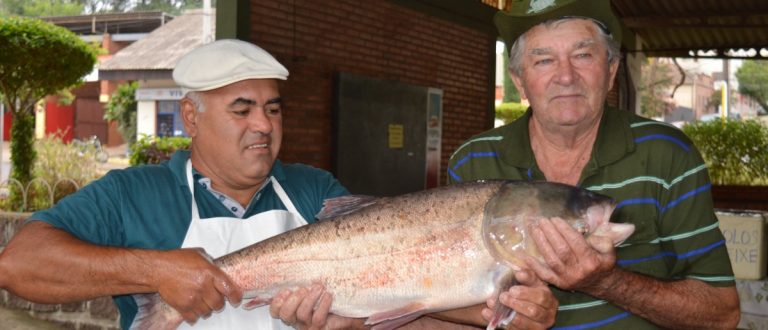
x,y
395,136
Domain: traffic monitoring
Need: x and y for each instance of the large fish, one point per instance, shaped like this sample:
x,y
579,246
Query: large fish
x,y
391,260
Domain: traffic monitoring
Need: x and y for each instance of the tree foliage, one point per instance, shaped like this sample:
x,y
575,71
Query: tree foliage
x,y
657,79
39,8
36,59
508,112
736,151
122,109
510,91
753,81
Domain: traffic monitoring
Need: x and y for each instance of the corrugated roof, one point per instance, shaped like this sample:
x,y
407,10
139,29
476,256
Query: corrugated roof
x,y
680,28
689,28
133,22
162,47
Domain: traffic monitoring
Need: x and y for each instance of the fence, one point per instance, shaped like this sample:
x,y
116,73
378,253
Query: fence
x,y
96,314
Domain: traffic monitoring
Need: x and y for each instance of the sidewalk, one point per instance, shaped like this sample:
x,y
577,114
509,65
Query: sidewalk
x,y
12,319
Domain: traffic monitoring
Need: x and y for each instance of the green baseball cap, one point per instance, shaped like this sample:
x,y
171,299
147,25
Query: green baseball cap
x,y
525,14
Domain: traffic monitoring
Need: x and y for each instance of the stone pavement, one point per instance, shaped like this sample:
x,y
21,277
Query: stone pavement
x,y
11,319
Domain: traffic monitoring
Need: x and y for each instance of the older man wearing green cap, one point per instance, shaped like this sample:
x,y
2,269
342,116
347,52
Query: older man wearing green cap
x,y
674,271
141,229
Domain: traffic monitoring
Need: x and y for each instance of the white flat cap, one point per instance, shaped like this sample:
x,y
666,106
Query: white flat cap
x,y
224,62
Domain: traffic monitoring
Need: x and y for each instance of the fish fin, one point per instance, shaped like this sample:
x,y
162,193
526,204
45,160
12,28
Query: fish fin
x,y
334,207
256,302
502,314
154,313
395,318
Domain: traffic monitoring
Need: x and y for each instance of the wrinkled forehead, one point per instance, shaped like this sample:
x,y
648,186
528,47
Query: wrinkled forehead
x,y
567,35
577,25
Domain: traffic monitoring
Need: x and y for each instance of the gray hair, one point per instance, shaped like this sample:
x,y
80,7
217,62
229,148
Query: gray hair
x,y
197,99
516,51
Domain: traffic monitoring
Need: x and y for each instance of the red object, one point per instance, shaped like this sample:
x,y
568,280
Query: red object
x,y
7,126
59,119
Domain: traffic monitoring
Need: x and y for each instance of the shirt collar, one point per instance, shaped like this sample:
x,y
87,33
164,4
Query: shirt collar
x,y
614,140
178,163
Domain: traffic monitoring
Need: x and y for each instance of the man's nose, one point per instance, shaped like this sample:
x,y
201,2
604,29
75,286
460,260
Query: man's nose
x,y
259,122
565,72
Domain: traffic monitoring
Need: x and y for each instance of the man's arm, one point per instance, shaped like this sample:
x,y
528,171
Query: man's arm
x,y
573,263
48,265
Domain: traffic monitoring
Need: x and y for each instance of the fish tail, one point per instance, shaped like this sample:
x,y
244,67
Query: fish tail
x,y
503,315
153,313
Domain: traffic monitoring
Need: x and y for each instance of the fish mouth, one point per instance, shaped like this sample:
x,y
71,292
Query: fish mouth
x,y
598,214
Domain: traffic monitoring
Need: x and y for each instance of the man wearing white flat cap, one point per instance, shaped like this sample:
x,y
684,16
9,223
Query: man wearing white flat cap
x,y
139,230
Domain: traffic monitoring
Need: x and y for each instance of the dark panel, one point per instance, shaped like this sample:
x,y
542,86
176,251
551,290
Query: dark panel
x,y
371,117
89,120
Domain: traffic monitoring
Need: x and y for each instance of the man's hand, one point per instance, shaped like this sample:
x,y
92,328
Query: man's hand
x,y
308,309
188,281
570,261
534,303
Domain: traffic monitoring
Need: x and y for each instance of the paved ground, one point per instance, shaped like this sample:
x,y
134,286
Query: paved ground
x,y
17,320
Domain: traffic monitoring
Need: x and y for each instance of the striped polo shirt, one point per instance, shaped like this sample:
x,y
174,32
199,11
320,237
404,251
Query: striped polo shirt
x,y
660,184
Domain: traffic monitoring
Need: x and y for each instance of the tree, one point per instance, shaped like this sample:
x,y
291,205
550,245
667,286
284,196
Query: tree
x,y
36,59
122,109
656,81
510,91
40,8
753,81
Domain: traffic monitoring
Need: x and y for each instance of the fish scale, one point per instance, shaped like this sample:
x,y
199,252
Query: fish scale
x,y
393,259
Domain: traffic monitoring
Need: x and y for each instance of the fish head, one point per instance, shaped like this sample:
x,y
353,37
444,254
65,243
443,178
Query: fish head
x,y
509,214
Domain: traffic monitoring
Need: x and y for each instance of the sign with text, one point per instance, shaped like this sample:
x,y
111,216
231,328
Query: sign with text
x,y
158,94
745,239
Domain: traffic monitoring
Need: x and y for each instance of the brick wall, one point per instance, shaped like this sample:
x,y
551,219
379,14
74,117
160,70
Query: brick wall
x,y
315,39
97,314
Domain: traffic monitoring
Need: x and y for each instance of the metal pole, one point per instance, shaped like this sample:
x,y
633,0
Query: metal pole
x,y
726,90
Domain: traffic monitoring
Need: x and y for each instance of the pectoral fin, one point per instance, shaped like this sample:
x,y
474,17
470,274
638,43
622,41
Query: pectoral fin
x,y
395,318
502,314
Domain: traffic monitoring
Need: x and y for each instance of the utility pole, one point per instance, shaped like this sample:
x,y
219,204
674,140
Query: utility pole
x,y
726,95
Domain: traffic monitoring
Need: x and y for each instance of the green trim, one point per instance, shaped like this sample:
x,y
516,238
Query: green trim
x,y
489,138
660,181
712,278
582,305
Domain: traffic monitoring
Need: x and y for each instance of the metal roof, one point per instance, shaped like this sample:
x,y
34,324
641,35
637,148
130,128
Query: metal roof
x,y
694,28
154,56
97,24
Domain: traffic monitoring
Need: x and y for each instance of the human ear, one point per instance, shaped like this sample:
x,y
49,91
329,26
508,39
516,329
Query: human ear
x,y
189,115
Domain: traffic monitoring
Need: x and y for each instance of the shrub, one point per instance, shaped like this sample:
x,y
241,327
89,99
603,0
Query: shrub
x,y
736,151
122,109
59,170
154,150
510,111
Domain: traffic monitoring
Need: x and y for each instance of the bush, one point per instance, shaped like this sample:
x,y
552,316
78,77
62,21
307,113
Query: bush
x,y
735,151
122,109
154,150
59,170
510,111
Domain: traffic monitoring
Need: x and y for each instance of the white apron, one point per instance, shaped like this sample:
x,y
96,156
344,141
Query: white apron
x,y
222,235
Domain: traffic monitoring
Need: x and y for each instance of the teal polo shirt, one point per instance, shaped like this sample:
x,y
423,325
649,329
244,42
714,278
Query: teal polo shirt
x,y
660,183
149,207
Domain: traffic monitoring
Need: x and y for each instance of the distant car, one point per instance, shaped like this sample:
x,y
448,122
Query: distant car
x,y
713,116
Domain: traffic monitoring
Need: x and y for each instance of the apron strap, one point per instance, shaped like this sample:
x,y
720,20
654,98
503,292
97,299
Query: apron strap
x,y
286,201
